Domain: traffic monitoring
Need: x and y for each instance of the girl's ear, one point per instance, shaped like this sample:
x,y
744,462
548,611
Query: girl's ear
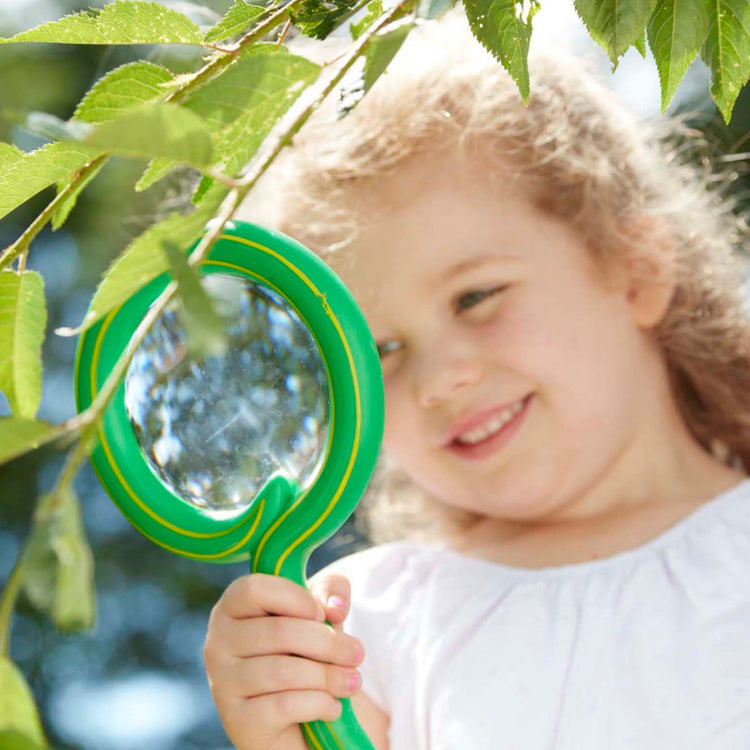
x,y
651,274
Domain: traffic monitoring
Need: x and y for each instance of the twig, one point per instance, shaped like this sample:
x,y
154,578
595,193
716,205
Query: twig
x,y
284,32
222,178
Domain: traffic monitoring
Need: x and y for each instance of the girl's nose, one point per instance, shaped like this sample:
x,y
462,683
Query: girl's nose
x,y
443,371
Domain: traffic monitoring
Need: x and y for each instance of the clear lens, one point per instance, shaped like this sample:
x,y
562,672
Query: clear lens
x,y
214,429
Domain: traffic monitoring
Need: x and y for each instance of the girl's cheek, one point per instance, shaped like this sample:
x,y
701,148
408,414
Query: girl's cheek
x,y
513,332
392,412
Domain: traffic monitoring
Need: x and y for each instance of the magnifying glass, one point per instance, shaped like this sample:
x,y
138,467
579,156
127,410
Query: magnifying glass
x,y
260,453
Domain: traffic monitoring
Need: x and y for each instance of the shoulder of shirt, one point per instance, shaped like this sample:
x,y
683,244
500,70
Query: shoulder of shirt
x,y
384,564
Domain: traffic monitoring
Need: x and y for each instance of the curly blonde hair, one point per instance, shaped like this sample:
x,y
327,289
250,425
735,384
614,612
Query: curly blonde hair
x,y
578,154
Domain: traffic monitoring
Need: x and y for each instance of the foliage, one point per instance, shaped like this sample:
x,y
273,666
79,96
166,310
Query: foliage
x,y
227,120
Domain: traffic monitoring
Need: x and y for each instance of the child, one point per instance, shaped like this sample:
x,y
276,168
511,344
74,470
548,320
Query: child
x,y
559,310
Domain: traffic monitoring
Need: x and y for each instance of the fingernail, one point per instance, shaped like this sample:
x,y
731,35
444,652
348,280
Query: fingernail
x,y
321,615
336,602
359,651
354,681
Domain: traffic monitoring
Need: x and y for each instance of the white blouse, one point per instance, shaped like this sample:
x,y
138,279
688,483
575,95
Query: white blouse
x,y
648,649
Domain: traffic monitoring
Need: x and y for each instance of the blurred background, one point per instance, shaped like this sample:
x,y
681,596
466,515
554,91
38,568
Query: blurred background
x,y
137,679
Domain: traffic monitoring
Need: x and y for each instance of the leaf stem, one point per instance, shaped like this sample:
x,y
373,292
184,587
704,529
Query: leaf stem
x,y
222,178
8,601
284,32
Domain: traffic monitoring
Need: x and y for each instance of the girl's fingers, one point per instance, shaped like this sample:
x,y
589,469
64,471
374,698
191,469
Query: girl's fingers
x,y
275,711
333,593
250,678
264,636
260,594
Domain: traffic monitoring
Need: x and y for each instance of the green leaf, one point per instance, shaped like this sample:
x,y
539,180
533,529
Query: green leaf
x,y
143,259
270,85
318,18
374,11
23,319
18,712
640,45
433,8
13,740
122,89
501,27
19,436
727,52
119,22
9,154
156,130
676,32
156,170
264,70
615,25
57,566
381,49
39,169
206,333
237,19
203,187
48,126
63,209
242,104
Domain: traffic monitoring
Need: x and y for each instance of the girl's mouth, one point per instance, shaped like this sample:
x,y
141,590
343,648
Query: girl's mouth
x,y
495,440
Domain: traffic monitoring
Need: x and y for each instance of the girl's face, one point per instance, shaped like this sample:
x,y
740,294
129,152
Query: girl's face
x,y
479,302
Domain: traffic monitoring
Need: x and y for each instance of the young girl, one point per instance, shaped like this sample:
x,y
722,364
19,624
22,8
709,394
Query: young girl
x,y
560,314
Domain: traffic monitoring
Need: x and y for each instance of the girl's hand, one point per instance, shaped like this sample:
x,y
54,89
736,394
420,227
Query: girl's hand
x,y
272,663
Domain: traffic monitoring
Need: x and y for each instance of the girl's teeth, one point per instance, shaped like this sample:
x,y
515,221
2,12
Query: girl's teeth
x,y
491,427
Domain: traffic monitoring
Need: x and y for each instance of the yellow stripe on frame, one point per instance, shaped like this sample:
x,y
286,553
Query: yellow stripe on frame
x,y
312,739
213,555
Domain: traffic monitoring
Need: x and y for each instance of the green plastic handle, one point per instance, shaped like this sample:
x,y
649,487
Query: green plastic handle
x,y
281,527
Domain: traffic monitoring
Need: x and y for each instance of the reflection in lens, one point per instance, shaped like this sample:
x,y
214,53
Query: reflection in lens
x,y
214,429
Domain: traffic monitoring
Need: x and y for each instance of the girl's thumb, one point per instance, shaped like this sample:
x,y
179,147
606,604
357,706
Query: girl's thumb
x,y
333,592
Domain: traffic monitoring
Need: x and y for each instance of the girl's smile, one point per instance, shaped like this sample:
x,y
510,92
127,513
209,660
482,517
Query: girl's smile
x,y
495,428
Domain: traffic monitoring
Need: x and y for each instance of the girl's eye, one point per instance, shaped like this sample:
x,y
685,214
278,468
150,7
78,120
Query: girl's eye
x,y
387,348
470,299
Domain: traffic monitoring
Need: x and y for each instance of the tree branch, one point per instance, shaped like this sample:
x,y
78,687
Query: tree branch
x,y
214,67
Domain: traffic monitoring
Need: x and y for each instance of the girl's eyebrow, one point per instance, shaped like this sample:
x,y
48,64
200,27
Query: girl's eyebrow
x,y
471,263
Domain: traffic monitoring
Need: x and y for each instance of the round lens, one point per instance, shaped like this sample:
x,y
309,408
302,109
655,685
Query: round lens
x,y
215,428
